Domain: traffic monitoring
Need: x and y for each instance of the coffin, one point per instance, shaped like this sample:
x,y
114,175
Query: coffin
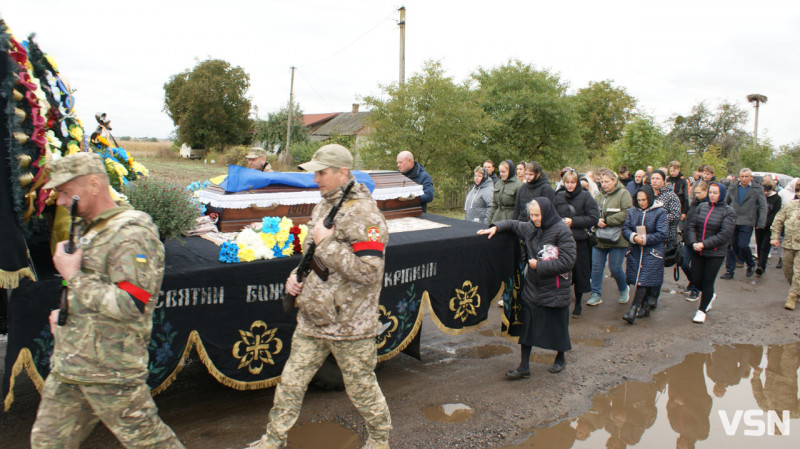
x,y
396,195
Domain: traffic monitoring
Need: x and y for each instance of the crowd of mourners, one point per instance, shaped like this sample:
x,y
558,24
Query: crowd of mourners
x,y
636,224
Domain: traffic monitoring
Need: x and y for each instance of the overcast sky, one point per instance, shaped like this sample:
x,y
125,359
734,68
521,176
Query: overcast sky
x,y
669,55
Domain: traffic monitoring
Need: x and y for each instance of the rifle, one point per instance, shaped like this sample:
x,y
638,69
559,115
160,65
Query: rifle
x,y
309,261
69,248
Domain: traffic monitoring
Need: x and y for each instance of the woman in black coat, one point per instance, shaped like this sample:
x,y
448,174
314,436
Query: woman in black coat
x,y
548,281
709,233
534,185
579,211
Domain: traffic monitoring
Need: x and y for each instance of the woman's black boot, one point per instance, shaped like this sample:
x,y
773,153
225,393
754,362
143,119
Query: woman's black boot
x,y
630,315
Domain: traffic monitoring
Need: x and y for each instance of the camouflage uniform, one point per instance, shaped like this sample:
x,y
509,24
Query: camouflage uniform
x,y
339,316
789,218
99,363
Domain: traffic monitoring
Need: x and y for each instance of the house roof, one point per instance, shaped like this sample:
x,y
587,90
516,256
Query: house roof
x,y
344,124
313,119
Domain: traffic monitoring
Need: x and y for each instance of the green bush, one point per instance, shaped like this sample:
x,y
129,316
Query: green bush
x,y
173,209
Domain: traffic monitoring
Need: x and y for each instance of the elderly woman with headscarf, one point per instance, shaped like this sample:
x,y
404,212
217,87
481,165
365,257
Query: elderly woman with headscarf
x,y
548,281
479,199
709,233
505,193
535,184
646,229
788,219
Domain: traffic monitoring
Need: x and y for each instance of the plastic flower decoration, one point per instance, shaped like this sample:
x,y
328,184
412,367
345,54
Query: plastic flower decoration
x,y
275,238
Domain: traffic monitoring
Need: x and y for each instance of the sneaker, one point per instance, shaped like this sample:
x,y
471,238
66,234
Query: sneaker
x,y
372,444
711,303
594,300
759,271
699,317
727,275
749,271
261,444
694,296
624,295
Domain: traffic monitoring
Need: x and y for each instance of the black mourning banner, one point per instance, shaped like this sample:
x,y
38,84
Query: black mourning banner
x,y
231,315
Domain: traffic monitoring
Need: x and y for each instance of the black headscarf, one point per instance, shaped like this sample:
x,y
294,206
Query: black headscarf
x,y
512,170
651,196
549,214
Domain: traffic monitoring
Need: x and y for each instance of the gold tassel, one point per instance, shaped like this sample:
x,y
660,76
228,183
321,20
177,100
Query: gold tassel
x,y
25,179
20,114
18,95
21,137
24,161
9,280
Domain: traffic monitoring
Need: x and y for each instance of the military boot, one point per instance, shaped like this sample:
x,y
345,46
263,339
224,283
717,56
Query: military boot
x,y
372,444
791,302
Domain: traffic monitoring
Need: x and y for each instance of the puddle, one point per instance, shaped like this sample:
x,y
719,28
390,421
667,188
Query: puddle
x,y
489,333
484,351
589,341
326,434
608,328
721,399
450,413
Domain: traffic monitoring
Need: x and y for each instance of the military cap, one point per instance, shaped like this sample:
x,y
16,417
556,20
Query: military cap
x,y
255,152
331,155
74,165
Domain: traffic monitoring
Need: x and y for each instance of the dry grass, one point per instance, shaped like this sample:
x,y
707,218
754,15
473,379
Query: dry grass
x,y
165,163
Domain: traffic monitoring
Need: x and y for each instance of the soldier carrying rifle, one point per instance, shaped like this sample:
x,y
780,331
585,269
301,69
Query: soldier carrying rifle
x,y
99,363
338,315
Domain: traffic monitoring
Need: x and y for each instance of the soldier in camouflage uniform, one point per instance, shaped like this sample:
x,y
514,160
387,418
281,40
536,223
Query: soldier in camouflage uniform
x,y
99,363
788,218
340,315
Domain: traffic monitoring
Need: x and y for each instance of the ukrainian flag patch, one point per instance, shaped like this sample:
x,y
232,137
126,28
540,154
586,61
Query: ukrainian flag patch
x,y
141,258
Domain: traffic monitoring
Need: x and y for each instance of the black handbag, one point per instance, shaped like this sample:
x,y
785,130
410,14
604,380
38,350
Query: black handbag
x,y
609,234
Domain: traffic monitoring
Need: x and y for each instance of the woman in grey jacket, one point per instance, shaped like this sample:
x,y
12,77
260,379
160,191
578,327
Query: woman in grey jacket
x,y
548,280
479,199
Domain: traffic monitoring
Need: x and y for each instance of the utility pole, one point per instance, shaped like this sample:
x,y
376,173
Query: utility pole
x,y
757,100
287,157
402,25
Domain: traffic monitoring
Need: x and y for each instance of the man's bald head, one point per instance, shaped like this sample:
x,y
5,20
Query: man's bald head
x,y
405,161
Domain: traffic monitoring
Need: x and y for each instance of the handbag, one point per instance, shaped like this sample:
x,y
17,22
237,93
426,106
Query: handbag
x,y
673,255
609,234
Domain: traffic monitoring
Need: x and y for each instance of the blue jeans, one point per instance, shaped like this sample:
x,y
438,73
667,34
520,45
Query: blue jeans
x,y
740,249
615,258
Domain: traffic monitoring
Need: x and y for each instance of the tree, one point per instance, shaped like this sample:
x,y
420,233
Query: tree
x,y
703,128
208,105
604,110
272,131
532,116
758,158
639,146
431,116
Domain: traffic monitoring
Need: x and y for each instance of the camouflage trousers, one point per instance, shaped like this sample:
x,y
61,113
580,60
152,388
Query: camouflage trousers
x,y
356,360
68,413
791,269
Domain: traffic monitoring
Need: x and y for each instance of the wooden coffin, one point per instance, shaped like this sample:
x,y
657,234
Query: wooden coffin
x,y
396,196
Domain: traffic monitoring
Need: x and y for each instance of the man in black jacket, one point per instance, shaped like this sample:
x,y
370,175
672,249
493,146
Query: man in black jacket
x,y
416,172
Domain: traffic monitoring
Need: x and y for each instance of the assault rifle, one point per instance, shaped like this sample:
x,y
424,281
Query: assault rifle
x,y
69,248
309,261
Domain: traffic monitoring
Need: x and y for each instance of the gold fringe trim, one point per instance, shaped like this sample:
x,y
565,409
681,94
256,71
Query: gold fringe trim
x,y
426,300
24,360
184,357
223,379
407,341
9,280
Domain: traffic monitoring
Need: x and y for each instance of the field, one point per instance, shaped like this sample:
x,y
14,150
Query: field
x,y
165,163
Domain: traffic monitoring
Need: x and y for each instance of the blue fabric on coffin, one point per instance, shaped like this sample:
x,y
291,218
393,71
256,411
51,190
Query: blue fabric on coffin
x,y
242,178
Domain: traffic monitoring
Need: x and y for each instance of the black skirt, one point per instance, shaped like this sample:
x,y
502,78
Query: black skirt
x,y
582,270
545,327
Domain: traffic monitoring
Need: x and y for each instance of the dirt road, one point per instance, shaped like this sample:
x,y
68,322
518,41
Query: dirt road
x,y
469,369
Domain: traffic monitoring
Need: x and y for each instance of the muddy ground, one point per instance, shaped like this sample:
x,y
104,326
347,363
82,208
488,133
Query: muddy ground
x,y
463,369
